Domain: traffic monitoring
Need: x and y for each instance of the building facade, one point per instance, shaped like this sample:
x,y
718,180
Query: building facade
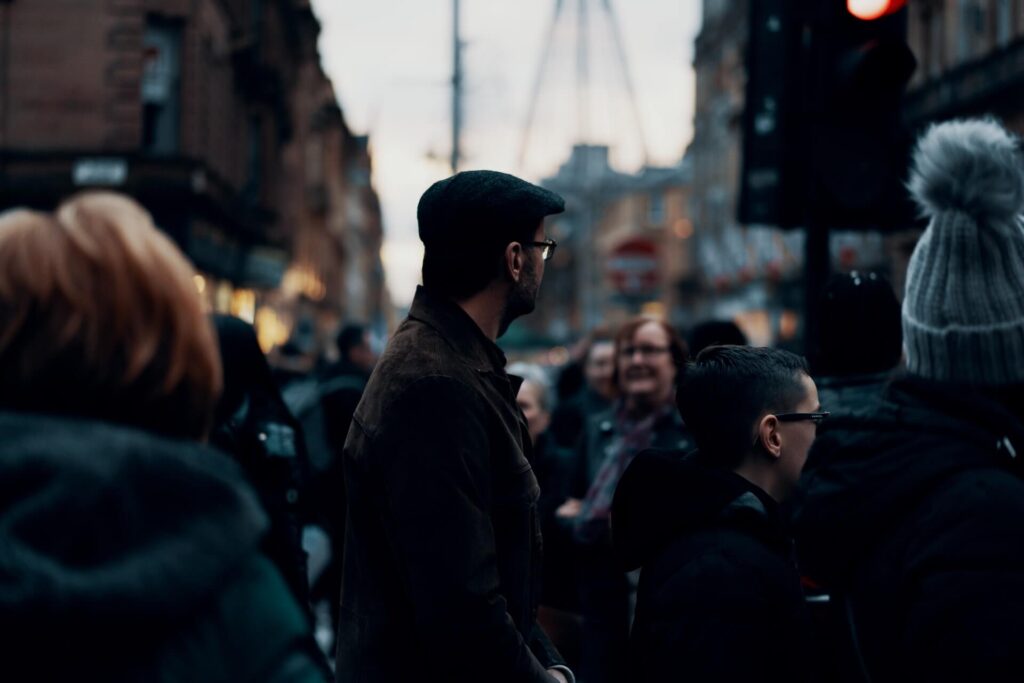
x,y
623,249
215,114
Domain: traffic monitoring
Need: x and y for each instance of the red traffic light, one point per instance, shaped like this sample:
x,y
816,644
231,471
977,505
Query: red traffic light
x,y
868,10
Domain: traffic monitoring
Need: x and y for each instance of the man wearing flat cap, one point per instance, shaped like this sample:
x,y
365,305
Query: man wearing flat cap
x,y
442,544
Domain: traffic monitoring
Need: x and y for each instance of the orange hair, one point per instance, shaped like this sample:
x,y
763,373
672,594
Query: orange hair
x,y
100,318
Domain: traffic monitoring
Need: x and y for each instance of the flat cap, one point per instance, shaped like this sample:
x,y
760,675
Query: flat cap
x,y
482,207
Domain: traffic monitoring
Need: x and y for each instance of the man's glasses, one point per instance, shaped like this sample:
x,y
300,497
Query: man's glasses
x,y
547,247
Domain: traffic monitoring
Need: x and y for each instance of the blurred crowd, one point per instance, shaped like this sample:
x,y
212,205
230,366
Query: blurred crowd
x,y
178,507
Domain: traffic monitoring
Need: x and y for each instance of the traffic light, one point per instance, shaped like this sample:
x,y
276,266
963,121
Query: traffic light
x,y
838,152
869,10
773,182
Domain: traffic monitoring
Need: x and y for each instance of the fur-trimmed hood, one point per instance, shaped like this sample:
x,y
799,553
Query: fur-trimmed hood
x,y
103,525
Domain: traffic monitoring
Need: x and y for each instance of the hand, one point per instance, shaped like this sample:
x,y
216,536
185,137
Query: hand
x,y
570,509
558,675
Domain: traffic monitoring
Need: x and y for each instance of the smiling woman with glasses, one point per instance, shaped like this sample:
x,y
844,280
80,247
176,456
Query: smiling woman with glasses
x,y
649,355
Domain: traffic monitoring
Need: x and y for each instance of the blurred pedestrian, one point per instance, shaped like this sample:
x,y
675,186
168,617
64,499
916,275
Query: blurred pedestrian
x,y
130,551
329,408
534,399
442,544
253,426
715,333
861,341
719,595
649,356
595,395
559,603
913,518
342,383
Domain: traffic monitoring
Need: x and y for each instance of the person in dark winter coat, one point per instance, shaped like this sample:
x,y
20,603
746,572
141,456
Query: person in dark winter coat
x,y
715,333
338,390
130,552
860,342
441,574
253,426
649,357
719,597
912,517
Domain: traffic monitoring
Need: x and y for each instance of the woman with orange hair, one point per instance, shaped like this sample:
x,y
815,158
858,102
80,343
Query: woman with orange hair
x,y
649,357
130,550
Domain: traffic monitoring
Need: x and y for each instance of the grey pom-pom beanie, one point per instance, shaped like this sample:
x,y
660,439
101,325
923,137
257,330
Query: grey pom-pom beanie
x,y
963,313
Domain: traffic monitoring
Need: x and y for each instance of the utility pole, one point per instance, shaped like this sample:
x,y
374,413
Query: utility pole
x,y
456,88
582,74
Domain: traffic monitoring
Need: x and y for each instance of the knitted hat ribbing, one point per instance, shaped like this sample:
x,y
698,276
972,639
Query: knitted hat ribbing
x,y
963,314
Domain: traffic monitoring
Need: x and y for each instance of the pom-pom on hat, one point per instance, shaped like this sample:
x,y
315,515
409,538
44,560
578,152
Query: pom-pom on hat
x,y
963,313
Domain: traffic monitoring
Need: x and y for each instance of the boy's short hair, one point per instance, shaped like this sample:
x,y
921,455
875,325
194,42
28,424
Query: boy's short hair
x,y
723,394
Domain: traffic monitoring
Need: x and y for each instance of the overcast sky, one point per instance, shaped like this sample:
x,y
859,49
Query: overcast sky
x,y
391,63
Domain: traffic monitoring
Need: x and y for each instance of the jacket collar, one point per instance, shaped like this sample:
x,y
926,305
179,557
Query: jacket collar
x,y
458,330
962,408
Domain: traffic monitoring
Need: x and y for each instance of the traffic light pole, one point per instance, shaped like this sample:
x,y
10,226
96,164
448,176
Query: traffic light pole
x,y
817,269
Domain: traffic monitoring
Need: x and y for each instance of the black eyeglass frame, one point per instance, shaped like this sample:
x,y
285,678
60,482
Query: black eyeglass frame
x,y
817,418
549,246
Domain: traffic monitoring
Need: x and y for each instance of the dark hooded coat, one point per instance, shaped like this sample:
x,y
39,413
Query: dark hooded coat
x,y
131,557
253,426
719,596
914,517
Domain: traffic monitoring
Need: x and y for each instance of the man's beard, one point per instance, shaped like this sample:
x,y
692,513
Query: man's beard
x,y
522,298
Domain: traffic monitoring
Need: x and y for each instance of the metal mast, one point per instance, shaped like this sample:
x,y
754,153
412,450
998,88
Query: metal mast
x,y
584,26
582,73
456,88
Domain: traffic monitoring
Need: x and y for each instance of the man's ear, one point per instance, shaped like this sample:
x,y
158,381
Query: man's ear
x,y
514,260
769,436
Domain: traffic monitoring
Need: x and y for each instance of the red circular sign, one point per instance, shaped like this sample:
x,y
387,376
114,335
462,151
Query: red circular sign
x,y
633,267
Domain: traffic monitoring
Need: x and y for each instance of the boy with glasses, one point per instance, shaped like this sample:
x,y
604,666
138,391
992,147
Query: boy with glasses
x,y
719,595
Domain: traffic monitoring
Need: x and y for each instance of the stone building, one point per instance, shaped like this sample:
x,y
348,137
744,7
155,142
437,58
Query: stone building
x,y
623,249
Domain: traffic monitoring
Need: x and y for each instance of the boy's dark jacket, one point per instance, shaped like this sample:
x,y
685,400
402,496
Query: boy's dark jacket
x,y
719,596
915,513
442,566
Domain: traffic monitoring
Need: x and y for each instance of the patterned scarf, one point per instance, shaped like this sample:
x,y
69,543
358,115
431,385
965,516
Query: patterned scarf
x,y
629,438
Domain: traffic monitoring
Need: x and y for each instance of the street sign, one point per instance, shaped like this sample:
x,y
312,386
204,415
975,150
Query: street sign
x,y
633,267
105,172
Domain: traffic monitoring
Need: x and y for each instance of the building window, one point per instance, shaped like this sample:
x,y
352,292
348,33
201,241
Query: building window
x,y
161,87
936,40
254,159
656,208
1004,22
971,29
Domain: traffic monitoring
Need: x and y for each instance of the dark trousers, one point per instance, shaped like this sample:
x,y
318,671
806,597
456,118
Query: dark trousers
x,y
604,599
